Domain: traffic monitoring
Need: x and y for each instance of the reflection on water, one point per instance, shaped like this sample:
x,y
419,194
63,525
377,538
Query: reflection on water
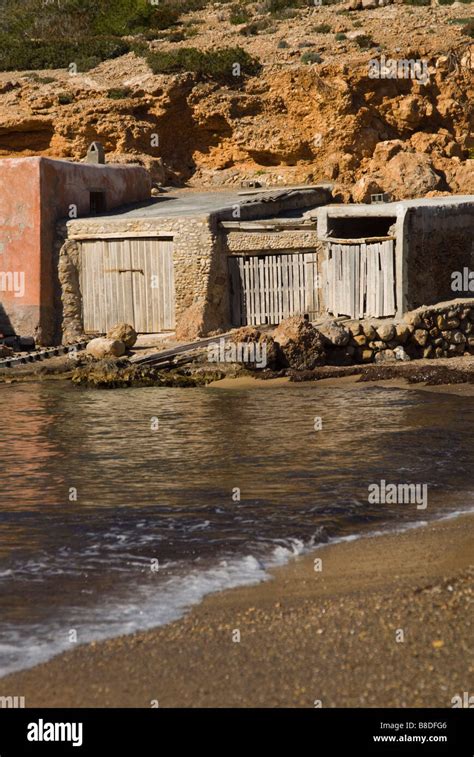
x,y
167,495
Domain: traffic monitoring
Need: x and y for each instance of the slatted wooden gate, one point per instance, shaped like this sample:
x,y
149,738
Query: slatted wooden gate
x,y
128,280
269,288
360,279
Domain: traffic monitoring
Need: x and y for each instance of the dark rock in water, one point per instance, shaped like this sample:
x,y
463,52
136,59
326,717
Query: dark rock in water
x,y
301,346
114,374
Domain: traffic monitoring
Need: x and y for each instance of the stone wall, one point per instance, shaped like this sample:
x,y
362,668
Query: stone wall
x,y
239,242
443,330
201,283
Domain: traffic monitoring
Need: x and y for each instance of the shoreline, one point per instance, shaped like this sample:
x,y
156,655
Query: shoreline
x,y
304,635
455,376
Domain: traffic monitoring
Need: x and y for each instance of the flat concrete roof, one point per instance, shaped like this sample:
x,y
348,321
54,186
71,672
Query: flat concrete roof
x,y
393,208
189,203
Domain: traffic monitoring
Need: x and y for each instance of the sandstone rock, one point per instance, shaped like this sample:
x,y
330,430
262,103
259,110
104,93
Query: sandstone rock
x,y
102,347
335,333
248,334
369,330
366,355
301,345
409,175
413,319
428,352
385,356
245,334
354,327
365,187
400,354
360,340
403,332
386,332
190,325
420,337
386,150
124,333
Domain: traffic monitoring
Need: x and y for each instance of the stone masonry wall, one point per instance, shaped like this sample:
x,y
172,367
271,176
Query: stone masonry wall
x,y
200,280
442,330
240,242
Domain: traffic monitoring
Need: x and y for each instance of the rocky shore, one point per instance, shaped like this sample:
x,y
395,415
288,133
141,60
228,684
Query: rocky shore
x,y
415,348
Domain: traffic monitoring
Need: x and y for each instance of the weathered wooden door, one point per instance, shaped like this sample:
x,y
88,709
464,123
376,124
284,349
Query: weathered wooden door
x,y
359,279
265,289
128,280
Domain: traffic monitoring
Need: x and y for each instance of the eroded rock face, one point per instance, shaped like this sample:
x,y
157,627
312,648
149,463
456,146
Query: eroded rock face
x,y
125,333
102,347
301,345
291,124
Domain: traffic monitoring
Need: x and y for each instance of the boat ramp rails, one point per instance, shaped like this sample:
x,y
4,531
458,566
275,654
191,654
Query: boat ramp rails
x,y
168,356
163,357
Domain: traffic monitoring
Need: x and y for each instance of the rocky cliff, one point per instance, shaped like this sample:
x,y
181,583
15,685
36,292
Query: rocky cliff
x,y
315,112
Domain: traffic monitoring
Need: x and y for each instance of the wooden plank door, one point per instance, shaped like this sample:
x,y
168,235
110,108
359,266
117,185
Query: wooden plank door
x,y
128,280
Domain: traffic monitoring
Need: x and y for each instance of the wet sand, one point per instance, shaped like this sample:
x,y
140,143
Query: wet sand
x,y
387,622
349,382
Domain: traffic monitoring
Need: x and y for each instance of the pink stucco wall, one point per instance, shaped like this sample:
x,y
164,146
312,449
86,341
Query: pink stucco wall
x,y
34,194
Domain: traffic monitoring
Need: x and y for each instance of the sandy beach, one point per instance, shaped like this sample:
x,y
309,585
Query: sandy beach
x,y
386,622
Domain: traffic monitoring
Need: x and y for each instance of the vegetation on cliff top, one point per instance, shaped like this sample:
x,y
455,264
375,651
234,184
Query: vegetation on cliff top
x,y
82,33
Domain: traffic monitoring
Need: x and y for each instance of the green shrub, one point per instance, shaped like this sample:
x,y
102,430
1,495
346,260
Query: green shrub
x,y
215,64
364,41
282,44
468,30
65,98
461,21
311,57
340,36
119,93
287,8
261,25
41,79
322,29
417,2
238,14
85,53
